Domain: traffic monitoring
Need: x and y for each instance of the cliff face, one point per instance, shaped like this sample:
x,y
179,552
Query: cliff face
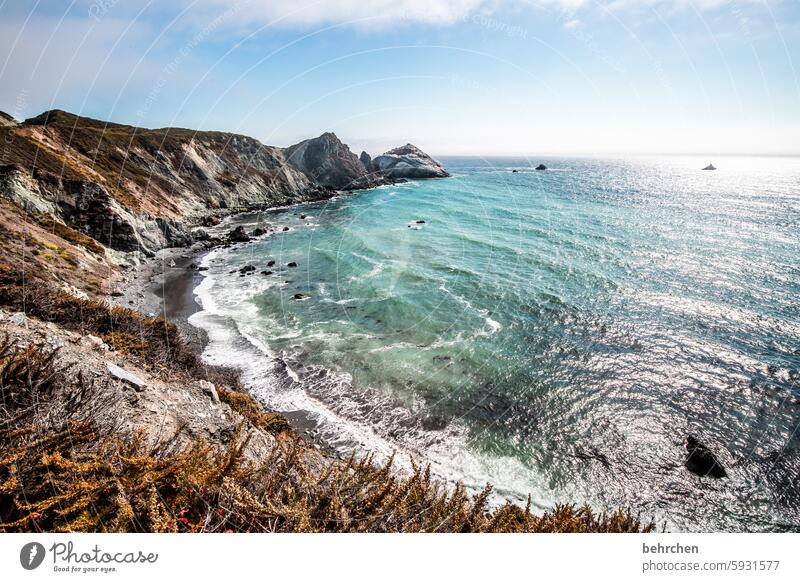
x,y
135,189
139,189
330,163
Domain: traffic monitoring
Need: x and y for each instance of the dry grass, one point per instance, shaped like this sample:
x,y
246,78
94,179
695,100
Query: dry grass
x,y
57,473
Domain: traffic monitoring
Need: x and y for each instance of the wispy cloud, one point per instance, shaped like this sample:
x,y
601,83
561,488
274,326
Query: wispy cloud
x,y
383,13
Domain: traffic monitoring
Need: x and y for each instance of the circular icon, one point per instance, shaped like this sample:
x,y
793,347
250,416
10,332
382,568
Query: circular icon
x,y
31,555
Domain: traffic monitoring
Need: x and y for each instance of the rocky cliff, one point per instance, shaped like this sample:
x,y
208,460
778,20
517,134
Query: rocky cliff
x,y
135,189
330,163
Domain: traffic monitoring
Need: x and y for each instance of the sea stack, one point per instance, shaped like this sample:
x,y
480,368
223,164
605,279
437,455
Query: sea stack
x,y
701,461
710,167
410,162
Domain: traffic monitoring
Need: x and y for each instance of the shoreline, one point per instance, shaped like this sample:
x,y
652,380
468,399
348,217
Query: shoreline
x,y
164,286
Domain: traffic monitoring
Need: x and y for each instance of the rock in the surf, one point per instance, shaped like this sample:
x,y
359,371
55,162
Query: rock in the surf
x,y
701,461
238,234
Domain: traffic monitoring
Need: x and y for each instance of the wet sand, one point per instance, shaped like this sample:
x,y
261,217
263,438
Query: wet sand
x,y
164,286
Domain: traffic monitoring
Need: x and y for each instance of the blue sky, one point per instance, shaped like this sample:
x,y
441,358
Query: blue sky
x,y
453,76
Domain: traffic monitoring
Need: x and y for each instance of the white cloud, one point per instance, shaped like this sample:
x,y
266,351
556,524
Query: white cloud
x,y
384,13
359,13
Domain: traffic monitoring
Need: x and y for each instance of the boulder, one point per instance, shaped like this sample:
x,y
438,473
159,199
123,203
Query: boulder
x,y
259,232
238,234
210,389
710,167
409,161
127,377
701,461
291,264
541,167
247,269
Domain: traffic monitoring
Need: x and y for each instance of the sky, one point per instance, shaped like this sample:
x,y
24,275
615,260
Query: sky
x,y
480,77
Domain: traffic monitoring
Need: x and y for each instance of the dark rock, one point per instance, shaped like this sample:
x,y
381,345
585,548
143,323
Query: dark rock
x,y
285,228
270,263
434,422
202,268
541,167
514,171
702,461
259,232
366,160
238,234
116,293
329,162
302,217
266,272
710,167
420,222
298,296
291,264
247,269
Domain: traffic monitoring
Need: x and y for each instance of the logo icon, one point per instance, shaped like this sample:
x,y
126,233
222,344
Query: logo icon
x,y
31,555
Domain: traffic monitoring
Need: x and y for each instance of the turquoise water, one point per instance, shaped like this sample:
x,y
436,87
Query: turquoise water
x,y
556,333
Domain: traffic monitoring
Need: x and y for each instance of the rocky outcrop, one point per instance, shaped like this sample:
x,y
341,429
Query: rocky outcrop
x,y
135,189
701,461
6,120
140,189
409,162
330,163
366,159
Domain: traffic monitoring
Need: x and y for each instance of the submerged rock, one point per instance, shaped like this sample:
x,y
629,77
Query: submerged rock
x,y
702,461
409,161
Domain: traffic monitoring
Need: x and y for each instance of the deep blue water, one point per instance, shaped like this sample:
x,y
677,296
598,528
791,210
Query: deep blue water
x,y
556,333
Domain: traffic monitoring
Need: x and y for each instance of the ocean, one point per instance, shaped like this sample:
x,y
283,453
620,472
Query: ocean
x,y
554,333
